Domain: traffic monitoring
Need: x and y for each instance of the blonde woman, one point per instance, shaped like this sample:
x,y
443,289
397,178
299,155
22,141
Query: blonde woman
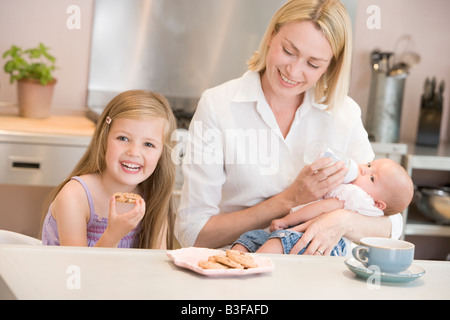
x,y
252,132
130,152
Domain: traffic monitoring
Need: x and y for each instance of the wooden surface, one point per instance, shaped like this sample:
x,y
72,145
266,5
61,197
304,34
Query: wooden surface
x,y
67,125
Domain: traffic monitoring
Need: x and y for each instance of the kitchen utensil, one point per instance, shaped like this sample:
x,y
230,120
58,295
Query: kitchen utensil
x,y
434,203
410,59
404,53
430,118
385,106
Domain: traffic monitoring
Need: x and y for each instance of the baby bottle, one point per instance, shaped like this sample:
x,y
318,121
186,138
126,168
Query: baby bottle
x,y
317,150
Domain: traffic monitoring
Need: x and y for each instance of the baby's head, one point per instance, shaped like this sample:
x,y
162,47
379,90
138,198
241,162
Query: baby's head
x,y
387,183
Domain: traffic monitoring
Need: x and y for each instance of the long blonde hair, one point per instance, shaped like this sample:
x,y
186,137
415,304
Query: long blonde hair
x,y
157,189
332,18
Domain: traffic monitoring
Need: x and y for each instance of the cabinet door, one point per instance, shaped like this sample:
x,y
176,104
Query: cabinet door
x,y
35,164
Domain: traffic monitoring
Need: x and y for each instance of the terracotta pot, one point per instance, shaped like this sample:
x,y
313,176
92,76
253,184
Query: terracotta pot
x,y
34,99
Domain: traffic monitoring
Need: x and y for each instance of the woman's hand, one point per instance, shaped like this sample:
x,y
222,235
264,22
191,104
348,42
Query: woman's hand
x,y
315,181
322,233
119,225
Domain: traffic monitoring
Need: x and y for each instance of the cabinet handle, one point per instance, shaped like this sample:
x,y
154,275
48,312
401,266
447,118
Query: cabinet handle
x,y
26,165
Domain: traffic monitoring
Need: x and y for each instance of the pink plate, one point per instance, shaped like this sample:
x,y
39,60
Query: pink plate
x,y
189,257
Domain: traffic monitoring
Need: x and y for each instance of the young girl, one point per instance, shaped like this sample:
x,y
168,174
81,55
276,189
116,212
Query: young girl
x,y
129,152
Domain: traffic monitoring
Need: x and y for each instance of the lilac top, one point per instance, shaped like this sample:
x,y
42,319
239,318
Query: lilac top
x,y
95,227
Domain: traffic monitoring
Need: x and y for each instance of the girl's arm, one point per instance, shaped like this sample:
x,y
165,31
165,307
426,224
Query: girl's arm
x,y
306,213
70,209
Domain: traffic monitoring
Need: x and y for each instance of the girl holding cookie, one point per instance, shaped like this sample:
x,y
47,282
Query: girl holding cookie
x,y
130,153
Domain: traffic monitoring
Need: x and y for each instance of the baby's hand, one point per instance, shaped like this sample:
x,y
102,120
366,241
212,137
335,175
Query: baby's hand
x,y
278,224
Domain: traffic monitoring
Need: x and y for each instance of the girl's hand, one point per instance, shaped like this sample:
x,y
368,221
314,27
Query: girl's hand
x,y
315,181
321,233
119,225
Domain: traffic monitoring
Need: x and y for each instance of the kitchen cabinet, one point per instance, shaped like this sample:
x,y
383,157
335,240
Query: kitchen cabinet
x,y
35,156
41,152
432,159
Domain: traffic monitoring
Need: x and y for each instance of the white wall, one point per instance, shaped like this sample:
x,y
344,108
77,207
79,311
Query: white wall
x,y
25,23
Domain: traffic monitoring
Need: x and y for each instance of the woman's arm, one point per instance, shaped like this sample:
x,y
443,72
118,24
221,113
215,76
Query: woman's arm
x,y
312,183
223,229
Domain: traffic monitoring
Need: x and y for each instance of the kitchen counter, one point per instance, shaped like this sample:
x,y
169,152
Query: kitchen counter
x,y
41,152
67,125
41,272
66,130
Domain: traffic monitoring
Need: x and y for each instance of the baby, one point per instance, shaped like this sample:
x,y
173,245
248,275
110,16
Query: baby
x,y
381,187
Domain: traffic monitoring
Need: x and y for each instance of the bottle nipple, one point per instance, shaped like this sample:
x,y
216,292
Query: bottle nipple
x,y
317,150
352,172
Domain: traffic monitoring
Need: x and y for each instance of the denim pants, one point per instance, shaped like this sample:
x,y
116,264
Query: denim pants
x,y
253,240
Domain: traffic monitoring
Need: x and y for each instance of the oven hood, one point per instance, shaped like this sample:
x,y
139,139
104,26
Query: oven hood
x,y
178,48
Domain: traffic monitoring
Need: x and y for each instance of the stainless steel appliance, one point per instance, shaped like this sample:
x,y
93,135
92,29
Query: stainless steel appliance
x,y
178,48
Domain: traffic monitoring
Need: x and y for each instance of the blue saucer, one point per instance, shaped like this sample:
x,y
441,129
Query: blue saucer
x,y
412,273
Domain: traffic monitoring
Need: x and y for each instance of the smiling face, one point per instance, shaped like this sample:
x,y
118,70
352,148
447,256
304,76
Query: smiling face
x,y
299,54
133,149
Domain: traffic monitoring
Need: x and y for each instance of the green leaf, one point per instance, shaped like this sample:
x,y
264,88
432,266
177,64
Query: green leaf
x,y
34,63
12,52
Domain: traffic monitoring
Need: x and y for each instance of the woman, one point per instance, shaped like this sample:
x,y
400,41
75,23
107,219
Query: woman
x,y
294,93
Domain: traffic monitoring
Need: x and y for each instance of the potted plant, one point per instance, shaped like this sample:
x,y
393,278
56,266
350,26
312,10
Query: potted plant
x,y
32,69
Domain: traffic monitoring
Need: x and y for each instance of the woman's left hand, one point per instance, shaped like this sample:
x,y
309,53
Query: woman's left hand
x,y
321,233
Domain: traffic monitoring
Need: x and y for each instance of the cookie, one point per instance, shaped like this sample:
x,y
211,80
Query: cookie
x,y
207,264
228,262
127,197
241,258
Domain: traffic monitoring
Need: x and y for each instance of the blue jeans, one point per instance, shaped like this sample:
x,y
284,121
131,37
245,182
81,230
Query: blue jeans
x,y
253,240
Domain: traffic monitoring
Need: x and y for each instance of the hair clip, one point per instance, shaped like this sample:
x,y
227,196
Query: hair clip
x,y
108,120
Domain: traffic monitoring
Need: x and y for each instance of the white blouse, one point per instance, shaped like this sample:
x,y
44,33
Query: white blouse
x,y
236,155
